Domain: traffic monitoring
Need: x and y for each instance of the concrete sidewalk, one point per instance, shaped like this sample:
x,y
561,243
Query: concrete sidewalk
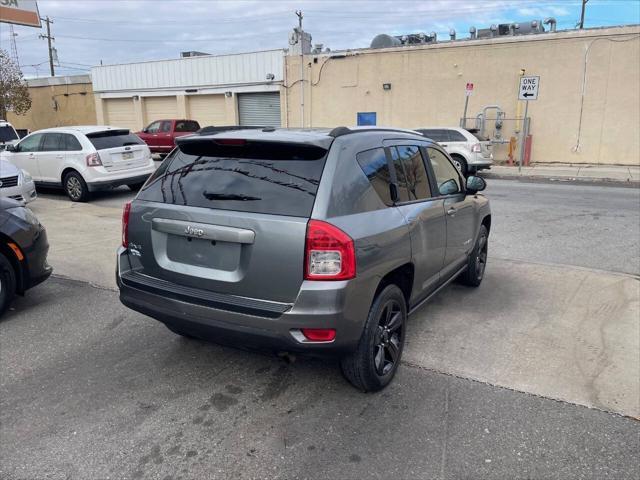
x,y
629,175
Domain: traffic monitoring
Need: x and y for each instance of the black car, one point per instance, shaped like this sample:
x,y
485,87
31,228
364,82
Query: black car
x,y
23,251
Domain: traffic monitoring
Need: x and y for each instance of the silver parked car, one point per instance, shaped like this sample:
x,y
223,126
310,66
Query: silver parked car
x,y
469,152
16,183
312,241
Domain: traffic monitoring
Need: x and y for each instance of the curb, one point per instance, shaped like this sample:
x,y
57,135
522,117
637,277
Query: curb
x,y
607,182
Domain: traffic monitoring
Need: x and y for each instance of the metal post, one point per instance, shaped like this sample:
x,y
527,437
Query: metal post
x,y
463,120
301,40
523,136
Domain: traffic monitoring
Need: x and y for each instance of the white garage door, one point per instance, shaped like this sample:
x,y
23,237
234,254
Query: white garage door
x,y
207,110
259,109
119,112
160,108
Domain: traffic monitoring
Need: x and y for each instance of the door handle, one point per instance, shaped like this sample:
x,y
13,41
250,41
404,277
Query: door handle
x,y
451,212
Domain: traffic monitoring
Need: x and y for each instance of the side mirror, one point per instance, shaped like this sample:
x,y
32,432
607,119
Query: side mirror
x,y
475,184
145,130
11,148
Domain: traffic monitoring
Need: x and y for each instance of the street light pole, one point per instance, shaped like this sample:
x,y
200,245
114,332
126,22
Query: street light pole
x,y
584,6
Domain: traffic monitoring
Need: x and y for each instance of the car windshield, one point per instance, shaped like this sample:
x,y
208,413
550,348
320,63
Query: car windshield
x,y
7,133
113,139
260,177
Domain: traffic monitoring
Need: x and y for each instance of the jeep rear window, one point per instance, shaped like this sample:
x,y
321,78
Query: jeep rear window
x,y
113,139
257,177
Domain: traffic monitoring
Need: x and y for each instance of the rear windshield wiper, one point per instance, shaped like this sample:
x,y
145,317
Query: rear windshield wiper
x,y
229,196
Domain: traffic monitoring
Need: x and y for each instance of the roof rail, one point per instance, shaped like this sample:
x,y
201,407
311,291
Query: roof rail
x,y
340,131
211,129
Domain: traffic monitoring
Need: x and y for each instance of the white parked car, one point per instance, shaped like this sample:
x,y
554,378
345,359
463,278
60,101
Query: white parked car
x,y
8,134
468,152
16,183
83,159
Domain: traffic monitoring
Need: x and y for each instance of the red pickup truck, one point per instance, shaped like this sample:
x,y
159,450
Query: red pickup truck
x,y
161,135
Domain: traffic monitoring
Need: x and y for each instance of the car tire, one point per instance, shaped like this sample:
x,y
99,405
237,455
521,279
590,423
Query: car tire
x,y
75,187
461,164
477,261
7,284
374,363
134,187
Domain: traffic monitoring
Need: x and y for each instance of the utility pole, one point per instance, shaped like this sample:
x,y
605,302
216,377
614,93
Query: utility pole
x,y
584,6
14,47
49,39
301,41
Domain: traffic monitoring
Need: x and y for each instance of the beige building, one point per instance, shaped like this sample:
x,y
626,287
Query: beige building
x,y
588,109
57,102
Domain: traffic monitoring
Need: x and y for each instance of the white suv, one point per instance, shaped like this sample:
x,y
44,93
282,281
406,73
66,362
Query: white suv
x,y
8,134
83,159
468,152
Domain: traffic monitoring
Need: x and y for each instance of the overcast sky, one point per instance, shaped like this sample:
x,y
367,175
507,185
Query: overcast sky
x,y
121,31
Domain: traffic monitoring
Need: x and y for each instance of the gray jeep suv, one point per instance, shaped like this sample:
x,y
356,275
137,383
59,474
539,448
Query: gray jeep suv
x,y
308,241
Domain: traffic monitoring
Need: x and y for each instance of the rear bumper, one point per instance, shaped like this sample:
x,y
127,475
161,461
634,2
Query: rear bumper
x,y
337,305
480,162
116,182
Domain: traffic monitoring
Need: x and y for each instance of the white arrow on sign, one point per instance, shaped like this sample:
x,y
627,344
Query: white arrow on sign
x,y
529,87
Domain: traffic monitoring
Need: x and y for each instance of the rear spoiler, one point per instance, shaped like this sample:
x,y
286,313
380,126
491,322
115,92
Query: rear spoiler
x,y
249,148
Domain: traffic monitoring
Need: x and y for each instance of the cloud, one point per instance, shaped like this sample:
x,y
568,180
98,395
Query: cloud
x,y
90,31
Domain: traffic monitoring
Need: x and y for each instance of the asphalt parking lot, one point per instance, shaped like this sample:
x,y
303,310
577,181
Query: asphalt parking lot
x,y
533,375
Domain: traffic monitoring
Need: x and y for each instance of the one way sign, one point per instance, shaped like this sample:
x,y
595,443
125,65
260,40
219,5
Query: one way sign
x,y
529,88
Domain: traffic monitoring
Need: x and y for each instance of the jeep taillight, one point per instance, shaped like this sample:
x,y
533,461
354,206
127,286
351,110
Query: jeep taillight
x,y
476,148
125,224
329,253
93,160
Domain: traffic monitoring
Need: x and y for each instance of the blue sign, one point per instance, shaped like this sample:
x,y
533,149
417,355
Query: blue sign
x,y
366,118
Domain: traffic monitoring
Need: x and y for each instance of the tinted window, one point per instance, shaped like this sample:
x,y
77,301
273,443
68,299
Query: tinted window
x,y
415,172
436,135
375,166
154,127
165,127
7,133
187,126
446,173
51,142
260,177
457,136
401,178
31,143
113,139
70,143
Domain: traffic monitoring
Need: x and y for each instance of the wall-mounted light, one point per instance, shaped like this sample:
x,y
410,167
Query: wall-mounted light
x,y
386,86
136,97
191,90
228,94
270,76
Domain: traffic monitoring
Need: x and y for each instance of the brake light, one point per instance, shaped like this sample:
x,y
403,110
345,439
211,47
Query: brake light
x,y
125,224
319,334
329,253
237,142
477,148
93,160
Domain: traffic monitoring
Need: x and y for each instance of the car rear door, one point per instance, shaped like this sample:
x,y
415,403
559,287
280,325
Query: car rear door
x,y
51,157
227,219
458,208
119,150
424,213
